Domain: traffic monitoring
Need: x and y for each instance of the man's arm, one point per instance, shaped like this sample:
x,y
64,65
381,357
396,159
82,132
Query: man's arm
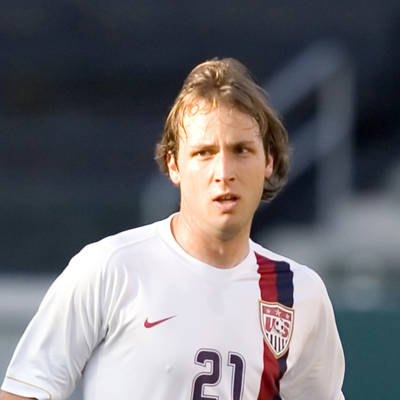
x,y
317,364
9,396
58,342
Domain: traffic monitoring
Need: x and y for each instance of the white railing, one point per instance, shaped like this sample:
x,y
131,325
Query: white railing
x,y
326,138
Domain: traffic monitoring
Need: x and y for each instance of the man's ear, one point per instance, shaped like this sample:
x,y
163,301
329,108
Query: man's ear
x,y
173,169
269,166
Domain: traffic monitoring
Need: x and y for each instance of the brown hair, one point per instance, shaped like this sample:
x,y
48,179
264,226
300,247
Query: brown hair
x,y
229,82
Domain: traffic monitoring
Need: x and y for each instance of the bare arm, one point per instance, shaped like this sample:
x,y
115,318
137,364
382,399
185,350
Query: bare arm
x,y
9,396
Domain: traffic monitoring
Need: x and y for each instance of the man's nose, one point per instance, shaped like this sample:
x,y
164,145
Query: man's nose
x,y
223,168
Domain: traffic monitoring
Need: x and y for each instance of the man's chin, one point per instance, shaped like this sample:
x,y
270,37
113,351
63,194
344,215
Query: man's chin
x,y
228,227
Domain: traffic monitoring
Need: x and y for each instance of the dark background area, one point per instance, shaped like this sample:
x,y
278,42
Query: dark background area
x,y
85,87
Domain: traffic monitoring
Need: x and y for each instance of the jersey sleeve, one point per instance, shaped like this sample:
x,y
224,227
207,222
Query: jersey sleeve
x,y
316,363
69,324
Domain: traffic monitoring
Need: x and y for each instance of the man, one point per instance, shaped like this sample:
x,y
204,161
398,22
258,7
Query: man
x,y
190,307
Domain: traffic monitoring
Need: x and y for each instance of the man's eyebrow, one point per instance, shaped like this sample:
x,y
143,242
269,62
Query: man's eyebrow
x,y
243,143
203,145
213,145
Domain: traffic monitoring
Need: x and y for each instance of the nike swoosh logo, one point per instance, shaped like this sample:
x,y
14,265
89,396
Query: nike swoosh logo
x,y
148,324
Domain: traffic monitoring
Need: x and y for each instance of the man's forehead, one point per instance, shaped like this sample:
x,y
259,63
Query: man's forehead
x,y
203,118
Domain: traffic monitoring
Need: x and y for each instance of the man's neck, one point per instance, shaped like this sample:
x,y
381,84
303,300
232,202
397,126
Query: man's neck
x,y
211,249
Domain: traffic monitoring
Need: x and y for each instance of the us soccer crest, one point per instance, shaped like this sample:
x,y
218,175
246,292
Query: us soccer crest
x,y
277,326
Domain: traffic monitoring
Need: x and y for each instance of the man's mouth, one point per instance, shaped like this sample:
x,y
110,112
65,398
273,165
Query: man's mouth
x,y
226,201
226,197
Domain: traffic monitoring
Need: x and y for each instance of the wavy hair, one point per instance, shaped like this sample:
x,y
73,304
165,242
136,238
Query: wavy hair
x,y
227,81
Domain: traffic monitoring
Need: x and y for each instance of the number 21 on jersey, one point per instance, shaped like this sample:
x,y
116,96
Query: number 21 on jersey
x,y
211,359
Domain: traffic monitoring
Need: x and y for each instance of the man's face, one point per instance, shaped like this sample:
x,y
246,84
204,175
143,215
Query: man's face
x,y
220,168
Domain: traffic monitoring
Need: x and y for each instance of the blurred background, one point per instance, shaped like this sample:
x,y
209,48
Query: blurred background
x,y
84,90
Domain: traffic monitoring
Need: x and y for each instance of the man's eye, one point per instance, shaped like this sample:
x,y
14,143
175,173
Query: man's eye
x,y
242,150
203,153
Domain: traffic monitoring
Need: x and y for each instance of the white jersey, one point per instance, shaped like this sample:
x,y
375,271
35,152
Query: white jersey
x,y
136,317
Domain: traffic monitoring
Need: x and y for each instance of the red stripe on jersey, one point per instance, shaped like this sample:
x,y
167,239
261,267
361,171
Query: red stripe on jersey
x,y
269,385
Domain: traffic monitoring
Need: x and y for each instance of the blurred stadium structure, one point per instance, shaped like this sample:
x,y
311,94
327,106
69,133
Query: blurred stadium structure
x,y
83,93
339,236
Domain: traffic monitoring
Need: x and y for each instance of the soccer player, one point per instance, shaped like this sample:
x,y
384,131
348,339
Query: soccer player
x,y
190,308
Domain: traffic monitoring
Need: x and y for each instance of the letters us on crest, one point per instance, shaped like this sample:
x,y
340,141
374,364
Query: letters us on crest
x,y
277,326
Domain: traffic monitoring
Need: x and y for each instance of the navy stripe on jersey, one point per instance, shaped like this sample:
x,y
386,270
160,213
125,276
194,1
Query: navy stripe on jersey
x,y
276,285
284,283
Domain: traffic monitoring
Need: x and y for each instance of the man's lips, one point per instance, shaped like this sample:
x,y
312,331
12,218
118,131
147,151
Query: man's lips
x,y
226,202
226,197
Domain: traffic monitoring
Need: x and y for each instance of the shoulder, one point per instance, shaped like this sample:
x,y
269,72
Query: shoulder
x,y
111,245
305,278
99,258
